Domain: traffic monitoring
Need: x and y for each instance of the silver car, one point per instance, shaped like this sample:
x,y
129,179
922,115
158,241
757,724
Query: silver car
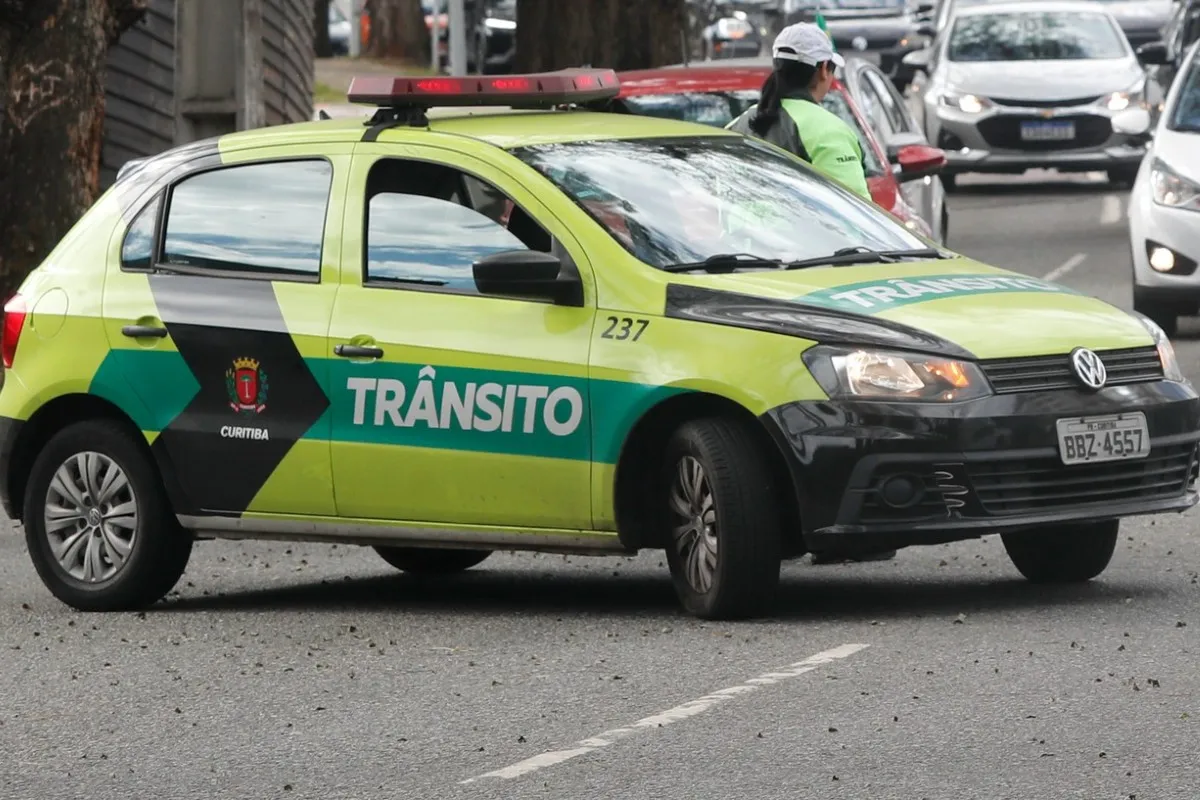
x,y
1014,86
1164,207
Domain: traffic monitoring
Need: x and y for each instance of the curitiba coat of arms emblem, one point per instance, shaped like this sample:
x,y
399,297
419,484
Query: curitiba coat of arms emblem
x,y
246,383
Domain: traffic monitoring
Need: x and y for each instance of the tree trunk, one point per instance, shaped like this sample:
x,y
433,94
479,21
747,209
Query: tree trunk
x,y
321,29
616,34
398,31
51,133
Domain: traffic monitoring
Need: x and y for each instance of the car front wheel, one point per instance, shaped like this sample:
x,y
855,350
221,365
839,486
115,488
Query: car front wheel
x,y
98,525
1063,553
724,543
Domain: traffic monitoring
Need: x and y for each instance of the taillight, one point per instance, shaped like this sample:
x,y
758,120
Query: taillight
x,y
10,334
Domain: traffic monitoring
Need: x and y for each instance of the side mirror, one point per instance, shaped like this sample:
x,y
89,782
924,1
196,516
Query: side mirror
x,y
923,8
529,274
918,161
926,29
917,59
1152,53
1132,122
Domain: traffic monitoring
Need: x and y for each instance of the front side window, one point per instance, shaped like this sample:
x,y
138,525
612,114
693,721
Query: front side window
x,y
1186,116
674,201
427,224
264,218
1036,36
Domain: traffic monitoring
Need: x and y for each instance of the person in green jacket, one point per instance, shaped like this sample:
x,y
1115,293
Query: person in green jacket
x,y
789,113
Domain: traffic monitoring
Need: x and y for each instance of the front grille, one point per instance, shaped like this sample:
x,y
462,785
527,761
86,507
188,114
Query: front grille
x,y
1004,131
1044,373
1074,101
1033,485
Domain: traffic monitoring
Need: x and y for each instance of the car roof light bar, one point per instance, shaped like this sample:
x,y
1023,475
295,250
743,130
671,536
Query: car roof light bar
x,y
405,98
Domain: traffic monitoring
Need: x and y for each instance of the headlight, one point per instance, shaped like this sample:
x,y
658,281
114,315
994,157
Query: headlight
x,y
1169,188
1119,101
969,103
1166,351
877,374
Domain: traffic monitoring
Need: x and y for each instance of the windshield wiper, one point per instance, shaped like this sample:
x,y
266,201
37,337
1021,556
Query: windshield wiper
x,y
864,255
726,262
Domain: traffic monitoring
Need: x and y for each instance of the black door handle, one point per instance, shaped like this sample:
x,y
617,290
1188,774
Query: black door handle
x,y
356,351
144,332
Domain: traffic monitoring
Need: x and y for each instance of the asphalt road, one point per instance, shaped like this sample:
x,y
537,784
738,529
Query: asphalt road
x,y
316,672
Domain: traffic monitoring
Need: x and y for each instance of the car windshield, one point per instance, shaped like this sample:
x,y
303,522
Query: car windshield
x,y
1035,36
718,109
684,200
1186,116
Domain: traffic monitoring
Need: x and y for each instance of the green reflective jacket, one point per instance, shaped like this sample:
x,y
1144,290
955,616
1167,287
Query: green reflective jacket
x,y
817,135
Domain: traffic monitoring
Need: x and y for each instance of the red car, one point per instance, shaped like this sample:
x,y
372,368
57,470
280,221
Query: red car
x,y
715,94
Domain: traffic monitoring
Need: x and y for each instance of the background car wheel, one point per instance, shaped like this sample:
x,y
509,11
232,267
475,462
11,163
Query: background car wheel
x,y
1123,177
945,226
98,525
1063,553
431,560
1160,314
949,182
724,544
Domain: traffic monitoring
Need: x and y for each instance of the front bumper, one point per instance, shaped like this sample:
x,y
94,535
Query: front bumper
x,y
981,467
991,141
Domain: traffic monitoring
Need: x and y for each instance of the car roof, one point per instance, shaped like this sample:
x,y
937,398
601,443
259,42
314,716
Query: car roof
x,y
1020,6
502,127
721,75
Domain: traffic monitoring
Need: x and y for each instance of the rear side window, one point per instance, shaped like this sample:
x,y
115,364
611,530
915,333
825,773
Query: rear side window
x,y
264,219
137,251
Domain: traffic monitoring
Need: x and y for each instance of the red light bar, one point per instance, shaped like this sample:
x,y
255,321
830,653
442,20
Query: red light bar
x,y
539,89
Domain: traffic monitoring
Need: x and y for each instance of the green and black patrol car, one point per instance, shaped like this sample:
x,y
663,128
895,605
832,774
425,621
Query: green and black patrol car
x,y
442,334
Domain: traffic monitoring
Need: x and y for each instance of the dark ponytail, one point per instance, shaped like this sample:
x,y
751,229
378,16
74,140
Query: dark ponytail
x,y
787,77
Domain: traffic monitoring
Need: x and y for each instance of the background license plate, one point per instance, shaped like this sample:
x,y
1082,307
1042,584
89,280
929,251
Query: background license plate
x,y
1047,131
1090,440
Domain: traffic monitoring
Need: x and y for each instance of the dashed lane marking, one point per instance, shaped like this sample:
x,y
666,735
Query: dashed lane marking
x,y
1065,267
679,713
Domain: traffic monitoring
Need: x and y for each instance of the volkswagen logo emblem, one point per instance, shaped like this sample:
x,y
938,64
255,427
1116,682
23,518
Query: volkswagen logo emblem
x,y
1089,368
859,43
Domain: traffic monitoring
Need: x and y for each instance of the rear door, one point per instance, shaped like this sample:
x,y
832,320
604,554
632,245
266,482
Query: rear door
x,y
464,408
217,316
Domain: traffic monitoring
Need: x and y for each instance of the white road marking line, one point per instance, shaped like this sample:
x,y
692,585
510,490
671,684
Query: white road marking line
x,y
1065,267
1110,213
671,715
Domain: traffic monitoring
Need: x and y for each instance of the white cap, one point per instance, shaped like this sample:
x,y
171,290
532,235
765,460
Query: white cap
x,y
806,43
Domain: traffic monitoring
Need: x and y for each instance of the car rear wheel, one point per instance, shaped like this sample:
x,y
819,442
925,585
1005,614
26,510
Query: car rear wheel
x,y
98,525
1063,553
431,560
1124,176
724,543
949,182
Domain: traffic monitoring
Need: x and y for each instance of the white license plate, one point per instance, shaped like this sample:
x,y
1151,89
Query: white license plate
x,y
1091,440
1047,131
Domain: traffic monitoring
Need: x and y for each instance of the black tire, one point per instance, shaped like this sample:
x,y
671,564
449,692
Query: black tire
x,y
745,529
1123,177
1063,553
158,548
431,560
1161,314
945,226
950,182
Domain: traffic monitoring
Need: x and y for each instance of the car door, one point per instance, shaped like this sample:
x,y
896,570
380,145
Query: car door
x,y
217,318
468,409
900,129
